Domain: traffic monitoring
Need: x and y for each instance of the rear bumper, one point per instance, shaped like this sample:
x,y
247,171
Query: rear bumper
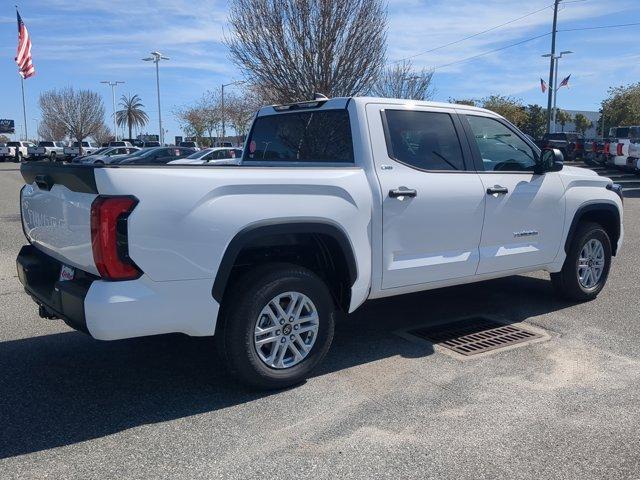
x,y
39,274
116,310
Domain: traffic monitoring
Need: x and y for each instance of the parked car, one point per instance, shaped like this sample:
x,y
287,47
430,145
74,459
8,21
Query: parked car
x,y
106,155
571,144
73,150
594,152
621,140
193,145
336,201
224,144
212,156
154,156
120,143
15,151
50,150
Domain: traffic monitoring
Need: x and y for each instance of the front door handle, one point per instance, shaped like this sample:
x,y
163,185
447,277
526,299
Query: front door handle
x,y
497,190
402,192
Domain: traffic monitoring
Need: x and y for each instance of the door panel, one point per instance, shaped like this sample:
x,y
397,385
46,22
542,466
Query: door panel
x,y
523,227
524,218
435,235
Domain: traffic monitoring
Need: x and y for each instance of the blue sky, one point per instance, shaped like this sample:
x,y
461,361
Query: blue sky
x,y
81,43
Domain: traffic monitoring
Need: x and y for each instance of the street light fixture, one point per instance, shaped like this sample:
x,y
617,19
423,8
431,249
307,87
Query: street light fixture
x,y
155,58
222,113
113,86
555,83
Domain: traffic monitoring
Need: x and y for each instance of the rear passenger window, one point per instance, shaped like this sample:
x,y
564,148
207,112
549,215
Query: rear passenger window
x,y
318,136
423,140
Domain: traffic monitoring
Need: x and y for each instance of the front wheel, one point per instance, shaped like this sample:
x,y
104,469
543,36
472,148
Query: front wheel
x,y
587,265
277,327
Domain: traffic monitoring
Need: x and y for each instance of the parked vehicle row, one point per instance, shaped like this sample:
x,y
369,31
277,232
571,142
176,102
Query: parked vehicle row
x,y
571,144
15,151
335,202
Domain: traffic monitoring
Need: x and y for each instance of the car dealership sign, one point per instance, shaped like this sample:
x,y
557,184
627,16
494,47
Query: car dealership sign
x,y
7,126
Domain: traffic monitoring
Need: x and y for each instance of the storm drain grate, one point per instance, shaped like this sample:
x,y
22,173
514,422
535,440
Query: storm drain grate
x,y
474,335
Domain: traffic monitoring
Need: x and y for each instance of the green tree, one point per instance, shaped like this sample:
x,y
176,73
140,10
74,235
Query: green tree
x,y
536,123
582,123
132,113
622,107
563,117
509,107
4,139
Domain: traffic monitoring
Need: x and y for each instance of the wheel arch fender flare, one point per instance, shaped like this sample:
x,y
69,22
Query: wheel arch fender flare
x,y
254,232
603,208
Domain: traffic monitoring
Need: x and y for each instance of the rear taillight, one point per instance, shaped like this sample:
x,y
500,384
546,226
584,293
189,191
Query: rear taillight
x,y
109,237
619,150
607,148
594,147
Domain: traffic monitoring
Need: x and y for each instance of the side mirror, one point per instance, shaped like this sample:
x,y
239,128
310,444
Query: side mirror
x,y
551,160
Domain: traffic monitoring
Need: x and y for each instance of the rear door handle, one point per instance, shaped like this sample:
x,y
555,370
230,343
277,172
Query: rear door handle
x,y
497,190
403,192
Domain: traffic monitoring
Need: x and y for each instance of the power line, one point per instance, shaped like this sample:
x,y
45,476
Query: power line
x,y
475,34
599,27
526,40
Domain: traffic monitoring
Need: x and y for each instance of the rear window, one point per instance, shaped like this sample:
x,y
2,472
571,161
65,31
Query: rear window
x,y
557,136
13,144
319,136
46,144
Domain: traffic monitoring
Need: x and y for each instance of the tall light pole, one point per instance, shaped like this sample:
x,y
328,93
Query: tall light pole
x,y
222,113
113,86
155,58
552,62
554,89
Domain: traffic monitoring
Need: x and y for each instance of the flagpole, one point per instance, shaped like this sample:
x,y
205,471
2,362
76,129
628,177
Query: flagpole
x,y
24,110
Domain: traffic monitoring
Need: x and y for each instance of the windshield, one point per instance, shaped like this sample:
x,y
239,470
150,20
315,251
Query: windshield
x,y
139,153
200,154
622,132
102,150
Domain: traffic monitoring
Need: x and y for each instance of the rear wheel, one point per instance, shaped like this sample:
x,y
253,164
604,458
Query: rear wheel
x,y
277,327
587,265
18,158
52,157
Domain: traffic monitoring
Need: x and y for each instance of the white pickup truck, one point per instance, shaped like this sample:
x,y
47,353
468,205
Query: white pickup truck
x,y
73,150
15,151
47,149
335,202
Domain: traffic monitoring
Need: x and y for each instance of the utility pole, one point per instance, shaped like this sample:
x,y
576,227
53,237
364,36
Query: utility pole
x,y
113,86
552,64
155,58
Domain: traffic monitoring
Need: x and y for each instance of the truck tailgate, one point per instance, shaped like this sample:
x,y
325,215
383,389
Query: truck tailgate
x,y
55,205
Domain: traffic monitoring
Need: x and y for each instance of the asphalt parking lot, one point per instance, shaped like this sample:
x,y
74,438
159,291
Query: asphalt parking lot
x,y
380,407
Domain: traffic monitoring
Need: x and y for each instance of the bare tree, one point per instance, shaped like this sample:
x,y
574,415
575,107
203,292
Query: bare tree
x,y
81,112
290,49
103,134
240,110
192,120
51,130
403,81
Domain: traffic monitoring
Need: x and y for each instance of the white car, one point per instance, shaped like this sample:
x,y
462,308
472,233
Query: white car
x,y
212,156
73,150
335,202
47,149
15,151
105,155
619,148
120,143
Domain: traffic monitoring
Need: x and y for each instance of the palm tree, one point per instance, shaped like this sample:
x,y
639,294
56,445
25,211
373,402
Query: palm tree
x,y
132,113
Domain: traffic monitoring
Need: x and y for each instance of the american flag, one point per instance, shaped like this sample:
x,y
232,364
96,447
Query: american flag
x,y
23,58
565,82
543,85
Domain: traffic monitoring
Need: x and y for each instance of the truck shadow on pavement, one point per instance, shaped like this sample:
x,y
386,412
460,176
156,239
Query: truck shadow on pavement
x,y
67,388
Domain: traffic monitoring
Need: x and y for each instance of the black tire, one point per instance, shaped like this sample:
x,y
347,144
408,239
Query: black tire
x,y
566,282
18,158
241,309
